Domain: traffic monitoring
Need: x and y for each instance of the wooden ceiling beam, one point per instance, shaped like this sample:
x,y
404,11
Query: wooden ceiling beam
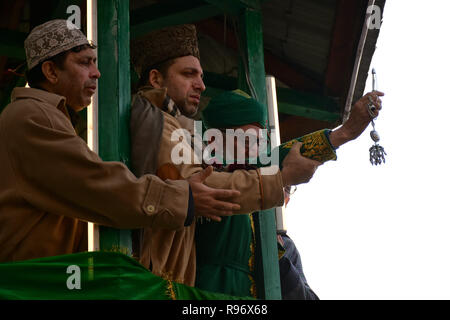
x,y
273,65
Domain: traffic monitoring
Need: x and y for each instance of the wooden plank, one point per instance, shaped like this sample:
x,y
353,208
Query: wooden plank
x,y
114,99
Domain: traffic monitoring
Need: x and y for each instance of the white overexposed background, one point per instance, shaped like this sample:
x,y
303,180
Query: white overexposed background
x,y
383,232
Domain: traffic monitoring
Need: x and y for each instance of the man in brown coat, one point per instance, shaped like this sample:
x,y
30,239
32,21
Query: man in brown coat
x,y
51,183
171,85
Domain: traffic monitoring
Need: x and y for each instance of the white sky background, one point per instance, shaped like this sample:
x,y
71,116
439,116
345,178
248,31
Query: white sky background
x,y
383,232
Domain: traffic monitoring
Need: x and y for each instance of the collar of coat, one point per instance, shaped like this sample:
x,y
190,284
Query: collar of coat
x,y
47,97
160,99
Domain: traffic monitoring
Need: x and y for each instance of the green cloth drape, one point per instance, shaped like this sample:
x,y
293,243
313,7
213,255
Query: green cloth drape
x,y
103,275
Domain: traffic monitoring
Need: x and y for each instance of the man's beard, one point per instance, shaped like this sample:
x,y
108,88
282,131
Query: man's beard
x,y
190,111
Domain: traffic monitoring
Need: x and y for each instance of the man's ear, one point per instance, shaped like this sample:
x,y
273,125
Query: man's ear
x,y
49,72
155,78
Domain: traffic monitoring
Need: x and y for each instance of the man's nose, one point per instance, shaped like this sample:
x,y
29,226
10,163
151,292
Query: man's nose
x,y
95,73
200,85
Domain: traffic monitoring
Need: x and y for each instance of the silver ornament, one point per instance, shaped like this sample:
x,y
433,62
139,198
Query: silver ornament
x,y
375,136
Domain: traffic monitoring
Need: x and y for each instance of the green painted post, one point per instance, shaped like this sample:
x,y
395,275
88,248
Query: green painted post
x,y
267,267
114,98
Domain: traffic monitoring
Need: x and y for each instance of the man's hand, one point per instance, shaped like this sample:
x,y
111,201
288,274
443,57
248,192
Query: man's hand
x,y
209,202
296,168
359,119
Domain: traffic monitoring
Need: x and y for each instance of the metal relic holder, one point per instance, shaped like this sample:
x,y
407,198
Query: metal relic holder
x,y
377,152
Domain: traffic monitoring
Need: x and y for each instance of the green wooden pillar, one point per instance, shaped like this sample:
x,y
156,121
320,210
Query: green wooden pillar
x,y
114,99
251,40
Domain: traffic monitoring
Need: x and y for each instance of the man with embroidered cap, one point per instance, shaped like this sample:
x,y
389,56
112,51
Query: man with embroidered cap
x,y
168,63
52,183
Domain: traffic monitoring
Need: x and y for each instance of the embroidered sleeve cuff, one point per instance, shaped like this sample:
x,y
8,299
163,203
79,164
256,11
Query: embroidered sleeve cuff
x,y
315,146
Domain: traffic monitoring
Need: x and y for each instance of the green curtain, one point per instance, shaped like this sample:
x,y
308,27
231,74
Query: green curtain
x,y
102,275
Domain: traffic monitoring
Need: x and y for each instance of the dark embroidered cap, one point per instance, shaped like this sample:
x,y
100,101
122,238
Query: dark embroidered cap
x,y
164,44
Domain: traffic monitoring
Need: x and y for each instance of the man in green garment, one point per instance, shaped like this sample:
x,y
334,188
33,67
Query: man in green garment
x,y
227,264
